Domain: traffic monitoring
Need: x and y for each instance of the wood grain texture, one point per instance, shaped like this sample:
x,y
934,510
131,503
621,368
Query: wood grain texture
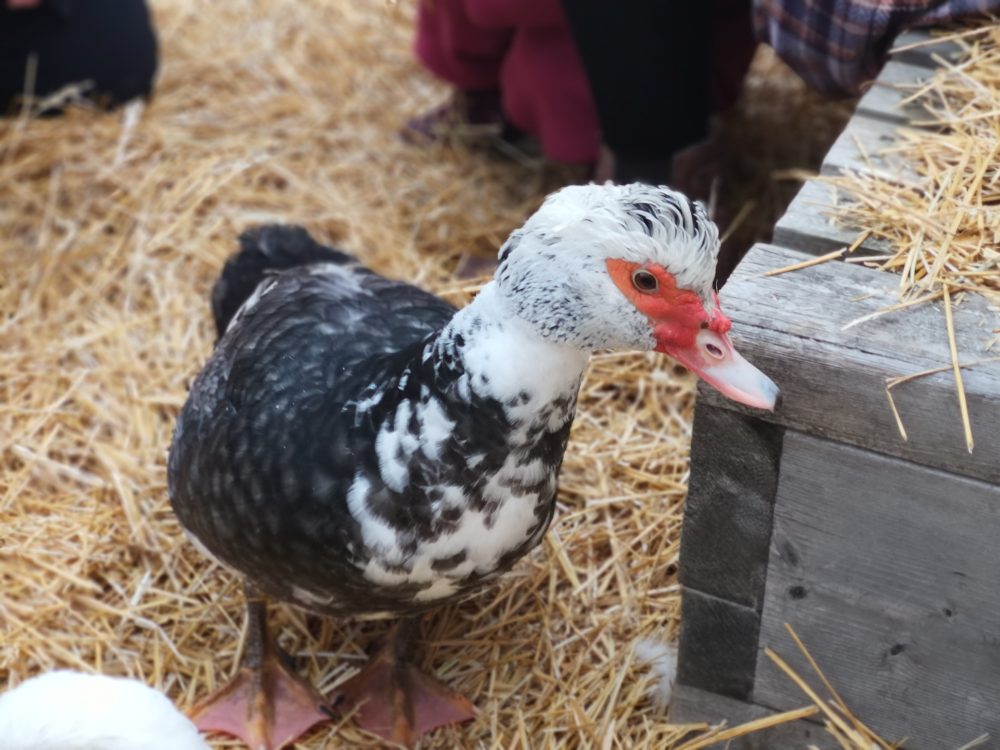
x,y
806,224
889,573
927,55
896,83
833,381
718,645
690,705
734,476
861,148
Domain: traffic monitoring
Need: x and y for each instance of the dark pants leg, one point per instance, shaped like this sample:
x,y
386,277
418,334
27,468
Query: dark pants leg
x,y
658,70
649,63
110,43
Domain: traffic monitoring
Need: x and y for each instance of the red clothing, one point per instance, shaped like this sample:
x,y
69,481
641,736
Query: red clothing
x,y
523,48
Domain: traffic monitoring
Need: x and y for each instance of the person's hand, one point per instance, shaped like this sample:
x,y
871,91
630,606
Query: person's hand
x,y
23,4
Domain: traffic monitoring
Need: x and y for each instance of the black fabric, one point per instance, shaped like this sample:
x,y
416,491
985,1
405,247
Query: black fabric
x,y
652,171
649,63
108,42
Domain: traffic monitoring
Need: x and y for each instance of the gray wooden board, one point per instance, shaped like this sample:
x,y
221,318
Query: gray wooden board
x,y
889,574
806,224
718,644
833,381
862,146
689,705
926,55
894,85
727,515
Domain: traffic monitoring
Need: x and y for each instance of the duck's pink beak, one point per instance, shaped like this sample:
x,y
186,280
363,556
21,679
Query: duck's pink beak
x,y
713,358
693,334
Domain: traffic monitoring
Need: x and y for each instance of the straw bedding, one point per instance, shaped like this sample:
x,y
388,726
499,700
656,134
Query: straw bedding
x,y
940,217
112,229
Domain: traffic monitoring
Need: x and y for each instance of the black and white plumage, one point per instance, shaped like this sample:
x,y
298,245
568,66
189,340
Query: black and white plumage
x,y
356,446
340,452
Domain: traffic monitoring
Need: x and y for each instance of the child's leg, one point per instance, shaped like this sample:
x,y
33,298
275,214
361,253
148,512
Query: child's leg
x,y
458,50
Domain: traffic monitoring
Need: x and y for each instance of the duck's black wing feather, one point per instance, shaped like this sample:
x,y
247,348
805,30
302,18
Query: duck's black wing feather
x,y
319,327
264,250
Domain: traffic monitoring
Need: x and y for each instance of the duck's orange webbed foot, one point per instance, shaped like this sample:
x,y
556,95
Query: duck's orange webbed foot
x,y
266,704
395,700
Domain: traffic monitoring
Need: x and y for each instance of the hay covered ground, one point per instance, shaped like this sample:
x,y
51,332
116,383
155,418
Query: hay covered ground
x,y
112,229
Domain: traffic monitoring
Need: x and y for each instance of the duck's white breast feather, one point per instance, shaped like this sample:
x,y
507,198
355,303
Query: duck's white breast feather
x,y
74,711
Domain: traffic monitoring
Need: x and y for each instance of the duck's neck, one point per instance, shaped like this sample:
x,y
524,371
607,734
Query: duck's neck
x,y
503,358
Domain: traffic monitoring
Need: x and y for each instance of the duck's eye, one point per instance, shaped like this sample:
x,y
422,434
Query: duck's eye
x,y
644,281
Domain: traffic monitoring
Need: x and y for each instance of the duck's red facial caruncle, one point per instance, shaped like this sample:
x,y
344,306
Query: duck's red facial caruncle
x,y
694,336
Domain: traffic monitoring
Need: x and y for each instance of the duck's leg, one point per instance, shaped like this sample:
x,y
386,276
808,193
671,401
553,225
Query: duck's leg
x,y
266,705
397,701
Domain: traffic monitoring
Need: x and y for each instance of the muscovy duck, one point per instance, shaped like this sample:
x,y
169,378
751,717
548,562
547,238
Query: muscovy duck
x,y
358,447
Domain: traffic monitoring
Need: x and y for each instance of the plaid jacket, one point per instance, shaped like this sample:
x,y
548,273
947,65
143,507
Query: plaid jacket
x,y
837,45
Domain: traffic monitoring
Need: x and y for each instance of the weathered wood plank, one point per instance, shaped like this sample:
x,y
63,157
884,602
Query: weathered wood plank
x,y
718,645
734,475
895,84
689,705
806,224
833,381
888,572
861,148
927,55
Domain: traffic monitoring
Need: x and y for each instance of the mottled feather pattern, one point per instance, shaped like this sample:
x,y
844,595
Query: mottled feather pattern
x,y
357,446
280,428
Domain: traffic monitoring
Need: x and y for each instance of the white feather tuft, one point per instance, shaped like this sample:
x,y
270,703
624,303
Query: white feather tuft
x,y
662,659
673,231
73,711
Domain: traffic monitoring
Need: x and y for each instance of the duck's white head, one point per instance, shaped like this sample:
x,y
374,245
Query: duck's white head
x,y
628,267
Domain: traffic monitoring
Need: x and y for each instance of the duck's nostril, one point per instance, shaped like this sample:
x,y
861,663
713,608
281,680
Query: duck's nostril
x,y
713,350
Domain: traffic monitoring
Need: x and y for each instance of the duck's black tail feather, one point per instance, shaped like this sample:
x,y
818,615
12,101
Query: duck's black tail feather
x,y
273,247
